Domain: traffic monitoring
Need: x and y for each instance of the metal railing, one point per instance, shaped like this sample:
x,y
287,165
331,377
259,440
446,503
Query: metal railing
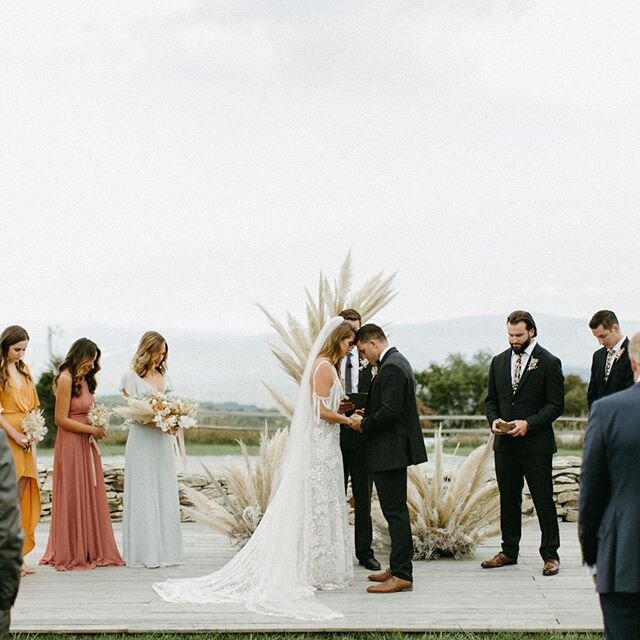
x,y
266,416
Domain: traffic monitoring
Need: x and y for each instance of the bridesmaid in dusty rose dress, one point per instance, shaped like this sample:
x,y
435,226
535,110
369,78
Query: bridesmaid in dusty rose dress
x,y
81,535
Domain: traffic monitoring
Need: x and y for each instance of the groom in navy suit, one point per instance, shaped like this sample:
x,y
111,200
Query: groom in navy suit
x,y
609,522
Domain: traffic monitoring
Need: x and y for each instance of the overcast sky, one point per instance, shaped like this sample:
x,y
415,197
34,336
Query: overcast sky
x,y
167,163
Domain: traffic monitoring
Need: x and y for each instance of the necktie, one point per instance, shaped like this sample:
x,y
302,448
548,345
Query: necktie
x,y
348,370
517,373
611,356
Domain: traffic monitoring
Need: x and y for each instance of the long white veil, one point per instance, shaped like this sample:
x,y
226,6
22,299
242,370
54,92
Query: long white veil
x,y
271,573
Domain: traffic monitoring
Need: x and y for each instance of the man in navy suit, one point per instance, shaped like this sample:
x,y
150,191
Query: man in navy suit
x,y
610,368
609,522
525,396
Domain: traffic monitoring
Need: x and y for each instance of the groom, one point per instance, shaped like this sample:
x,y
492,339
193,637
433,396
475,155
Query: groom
x,y
393,441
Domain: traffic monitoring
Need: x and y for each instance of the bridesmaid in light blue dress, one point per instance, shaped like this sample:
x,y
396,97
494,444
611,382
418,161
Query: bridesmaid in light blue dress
x,y
151,526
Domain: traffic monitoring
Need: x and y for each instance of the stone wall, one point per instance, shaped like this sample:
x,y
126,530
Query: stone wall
x,y
566,478
566,482
114,484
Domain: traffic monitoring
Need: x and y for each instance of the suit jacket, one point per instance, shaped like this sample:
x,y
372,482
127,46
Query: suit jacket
x,y
393,435
10,532
620,376
539,400
609,502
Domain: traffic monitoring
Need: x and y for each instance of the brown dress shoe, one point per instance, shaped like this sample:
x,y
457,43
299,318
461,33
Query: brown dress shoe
x,y
551,567
380,577
499,560
391,585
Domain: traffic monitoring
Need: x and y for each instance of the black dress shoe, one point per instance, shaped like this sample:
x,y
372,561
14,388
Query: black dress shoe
x,y
370,563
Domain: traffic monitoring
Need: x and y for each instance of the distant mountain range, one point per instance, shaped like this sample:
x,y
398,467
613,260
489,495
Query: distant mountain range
x,y
228,368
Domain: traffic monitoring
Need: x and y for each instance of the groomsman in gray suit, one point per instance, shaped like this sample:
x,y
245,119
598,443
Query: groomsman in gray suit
x,y
609,522
10,536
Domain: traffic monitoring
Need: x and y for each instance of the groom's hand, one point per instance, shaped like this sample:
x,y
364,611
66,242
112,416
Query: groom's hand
x,y
346,406
356,422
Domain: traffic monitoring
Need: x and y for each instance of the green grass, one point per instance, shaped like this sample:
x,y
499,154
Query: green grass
x,y
314,635
193,449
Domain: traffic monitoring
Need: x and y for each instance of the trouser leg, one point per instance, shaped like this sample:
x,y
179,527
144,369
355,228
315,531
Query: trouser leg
x,y
361,484
510,483
392,492
538,473
621,615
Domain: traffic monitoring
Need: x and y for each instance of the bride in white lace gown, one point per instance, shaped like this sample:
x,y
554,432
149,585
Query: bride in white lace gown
x,y
303,542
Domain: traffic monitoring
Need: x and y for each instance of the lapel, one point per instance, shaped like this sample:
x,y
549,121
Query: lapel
x,y
535,354
381,364
503,363
622,356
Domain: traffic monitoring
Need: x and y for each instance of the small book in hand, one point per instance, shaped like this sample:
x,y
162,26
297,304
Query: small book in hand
x,y
505,426
358,399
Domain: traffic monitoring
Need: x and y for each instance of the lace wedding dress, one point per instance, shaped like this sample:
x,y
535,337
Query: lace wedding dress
x,y
303,542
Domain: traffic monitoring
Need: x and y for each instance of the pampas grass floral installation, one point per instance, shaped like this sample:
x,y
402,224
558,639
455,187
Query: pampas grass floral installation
x,y
297,336
240,494
449,512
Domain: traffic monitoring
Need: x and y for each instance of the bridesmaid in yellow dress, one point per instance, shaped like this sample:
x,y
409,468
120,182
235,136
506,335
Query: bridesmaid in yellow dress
x,y
17,397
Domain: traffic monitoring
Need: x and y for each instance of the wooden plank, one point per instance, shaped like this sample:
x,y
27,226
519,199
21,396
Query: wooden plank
x,y
448,595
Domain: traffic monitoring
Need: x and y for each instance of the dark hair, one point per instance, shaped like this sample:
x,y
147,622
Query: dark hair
x,y
351,314
515,317
10,336
80,354
604,317
370,332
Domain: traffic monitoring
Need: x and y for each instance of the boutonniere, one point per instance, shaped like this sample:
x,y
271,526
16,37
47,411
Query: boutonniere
x,y
533,364
620,352
365,363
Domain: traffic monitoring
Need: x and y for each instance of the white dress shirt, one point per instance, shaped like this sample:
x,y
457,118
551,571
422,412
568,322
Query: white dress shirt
x,y
355,369
616,352
526,354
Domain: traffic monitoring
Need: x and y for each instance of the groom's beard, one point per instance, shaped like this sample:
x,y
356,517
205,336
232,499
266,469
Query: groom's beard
x,y
520,349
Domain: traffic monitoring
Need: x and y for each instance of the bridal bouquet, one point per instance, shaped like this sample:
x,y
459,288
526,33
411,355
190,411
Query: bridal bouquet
x,y
167,411
99,416
33,426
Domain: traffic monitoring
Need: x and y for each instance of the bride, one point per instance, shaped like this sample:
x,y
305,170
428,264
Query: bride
x,y
302,543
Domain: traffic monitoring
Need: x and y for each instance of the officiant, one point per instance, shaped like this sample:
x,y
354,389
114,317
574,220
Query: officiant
x,y
357,379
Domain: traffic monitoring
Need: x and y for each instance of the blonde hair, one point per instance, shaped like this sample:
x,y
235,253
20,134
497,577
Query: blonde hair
x,y
331,348
150,345
634,348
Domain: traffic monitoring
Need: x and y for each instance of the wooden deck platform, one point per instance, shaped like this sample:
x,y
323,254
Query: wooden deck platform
x,y
448,595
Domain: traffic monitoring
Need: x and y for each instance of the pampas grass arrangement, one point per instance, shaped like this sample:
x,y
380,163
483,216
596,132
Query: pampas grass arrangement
x,y
297,337
241,493
449,515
